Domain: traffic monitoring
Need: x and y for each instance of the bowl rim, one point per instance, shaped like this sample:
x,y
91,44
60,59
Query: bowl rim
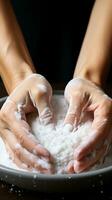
x,y
17,172
94,172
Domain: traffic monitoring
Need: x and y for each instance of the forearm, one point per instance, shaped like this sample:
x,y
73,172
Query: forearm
x,y
15,61
95,55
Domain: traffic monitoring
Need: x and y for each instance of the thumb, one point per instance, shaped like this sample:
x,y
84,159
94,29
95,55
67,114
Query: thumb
x,y
42,101
73,114
45,112
76,105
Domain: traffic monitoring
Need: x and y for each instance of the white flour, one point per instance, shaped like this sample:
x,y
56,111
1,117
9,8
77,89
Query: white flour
x,y
58,140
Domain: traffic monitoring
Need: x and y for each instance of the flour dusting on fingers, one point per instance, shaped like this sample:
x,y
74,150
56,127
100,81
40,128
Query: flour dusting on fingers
x,y
61,141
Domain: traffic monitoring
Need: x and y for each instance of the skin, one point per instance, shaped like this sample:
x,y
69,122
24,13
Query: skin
x,y
95,55
82,94
18,74
93,63
15,61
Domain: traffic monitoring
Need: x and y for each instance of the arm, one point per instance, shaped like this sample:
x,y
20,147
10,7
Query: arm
x,y
27,91
15,61
84,93
94,58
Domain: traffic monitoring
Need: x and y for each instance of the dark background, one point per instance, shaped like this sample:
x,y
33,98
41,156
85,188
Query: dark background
x,y
53,31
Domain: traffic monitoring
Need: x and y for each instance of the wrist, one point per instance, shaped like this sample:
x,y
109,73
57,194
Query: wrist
x,y
19,78
91,75
13,77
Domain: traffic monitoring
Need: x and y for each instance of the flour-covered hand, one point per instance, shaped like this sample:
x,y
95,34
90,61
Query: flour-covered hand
x,y
84,96
34,92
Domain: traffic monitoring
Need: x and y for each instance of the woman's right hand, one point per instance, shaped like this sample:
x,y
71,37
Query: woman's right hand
x,y
24,148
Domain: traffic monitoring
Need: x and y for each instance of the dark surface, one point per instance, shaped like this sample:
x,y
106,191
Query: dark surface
x,y
14,193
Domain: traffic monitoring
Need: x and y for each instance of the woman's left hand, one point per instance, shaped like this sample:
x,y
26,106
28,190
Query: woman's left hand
x,y
83,95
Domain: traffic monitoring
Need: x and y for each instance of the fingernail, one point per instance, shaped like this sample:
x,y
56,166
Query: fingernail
x,y
67,128
77,167
70,167
44,151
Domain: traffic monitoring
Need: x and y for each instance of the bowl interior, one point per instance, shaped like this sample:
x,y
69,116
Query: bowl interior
x,y
56,182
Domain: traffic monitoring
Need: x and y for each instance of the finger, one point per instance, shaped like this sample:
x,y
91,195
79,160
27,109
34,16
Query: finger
x,y
88,162
22,130
41,98
14,158
74,111
26,138
70,167
24,156
29,142
101,129
40,94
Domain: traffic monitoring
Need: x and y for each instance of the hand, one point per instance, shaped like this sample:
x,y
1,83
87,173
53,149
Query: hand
x,y
24,148
84,96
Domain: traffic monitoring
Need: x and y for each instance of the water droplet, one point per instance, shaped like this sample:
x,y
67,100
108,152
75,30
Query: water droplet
x,y
11,189
93,185
34,176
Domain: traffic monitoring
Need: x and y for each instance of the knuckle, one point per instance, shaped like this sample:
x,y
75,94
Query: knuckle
x,y
75,83
41,88
37,78
75,90
17,152
41,92
22,139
